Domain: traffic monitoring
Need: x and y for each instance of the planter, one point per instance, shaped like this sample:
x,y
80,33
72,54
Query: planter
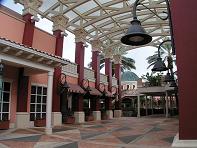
x,y
69,120
40,122
4,125
104,117
89,118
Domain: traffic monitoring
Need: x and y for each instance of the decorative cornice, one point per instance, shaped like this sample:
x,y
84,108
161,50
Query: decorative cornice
x,y
117,59
108,53
96,45
31,6
59,22
80,35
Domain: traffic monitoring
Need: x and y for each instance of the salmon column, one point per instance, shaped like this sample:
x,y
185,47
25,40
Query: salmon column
x,y
108,72
29,14
117,62
59,26
80,35
96,48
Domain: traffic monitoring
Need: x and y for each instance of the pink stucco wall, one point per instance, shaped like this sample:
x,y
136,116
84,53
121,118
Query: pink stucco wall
x,y
11,28
44,41
11,75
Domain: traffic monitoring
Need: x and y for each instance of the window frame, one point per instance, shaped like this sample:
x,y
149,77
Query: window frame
x,y
9,103
36,103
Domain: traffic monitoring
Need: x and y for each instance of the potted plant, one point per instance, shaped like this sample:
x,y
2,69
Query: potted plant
x,y
40,122
88,115
69,117
103,115
4,124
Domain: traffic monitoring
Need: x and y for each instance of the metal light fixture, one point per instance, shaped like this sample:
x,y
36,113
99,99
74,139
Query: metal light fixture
x,y
168,77
84,82
136,35
159,64
173,84
1,68
66,86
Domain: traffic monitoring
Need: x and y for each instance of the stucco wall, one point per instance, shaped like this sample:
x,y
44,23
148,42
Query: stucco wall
x,y
11,28
44,41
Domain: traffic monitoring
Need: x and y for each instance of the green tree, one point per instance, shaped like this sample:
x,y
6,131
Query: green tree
x,y
127,63
153,80
165,52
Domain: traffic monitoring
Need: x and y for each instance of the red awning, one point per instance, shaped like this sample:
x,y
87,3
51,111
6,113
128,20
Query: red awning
x,y
95,92
108,94
75,88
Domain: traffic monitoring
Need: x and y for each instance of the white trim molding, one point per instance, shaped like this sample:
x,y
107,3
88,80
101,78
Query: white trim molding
x,y
183,143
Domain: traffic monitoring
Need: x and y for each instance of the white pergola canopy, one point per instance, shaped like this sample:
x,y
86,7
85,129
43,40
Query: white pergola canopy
x,y
107,20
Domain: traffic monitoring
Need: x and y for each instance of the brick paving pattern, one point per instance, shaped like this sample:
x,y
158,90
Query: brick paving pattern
x,y
146,132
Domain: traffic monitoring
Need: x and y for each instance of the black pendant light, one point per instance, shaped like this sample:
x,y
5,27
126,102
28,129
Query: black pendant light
x,y
168,77
159,65
136,35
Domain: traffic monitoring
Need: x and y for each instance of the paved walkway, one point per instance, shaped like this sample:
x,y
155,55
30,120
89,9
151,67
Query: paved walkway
x,y
148,132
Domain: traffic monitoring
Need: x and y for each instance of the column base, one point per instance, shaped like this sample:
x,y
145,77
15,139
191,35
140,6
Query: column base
x,y
79,117
183,143
48,131
109,114
56,118
22,120
97,115
117,113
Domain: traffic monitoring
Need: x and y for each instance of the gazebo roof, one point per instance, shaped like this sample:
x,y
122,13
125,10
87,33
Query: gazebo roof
x,y
107,20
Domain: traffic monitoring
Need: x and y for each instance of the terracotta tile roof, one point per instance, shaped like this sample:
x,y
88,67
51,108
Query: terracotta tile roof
x,y
34,49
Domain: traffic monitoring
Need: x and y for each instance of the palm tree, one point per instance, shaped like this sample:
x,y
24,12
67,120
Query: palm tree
x,y
165,52
127,63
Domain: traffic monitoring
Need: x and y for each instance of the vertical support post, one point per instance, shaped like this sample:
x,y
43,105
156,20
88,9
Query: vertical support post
x,y
152,105
80,36
118,77
146,106
138,106
48,129
59,25
96,45
57,115
166,104
108,72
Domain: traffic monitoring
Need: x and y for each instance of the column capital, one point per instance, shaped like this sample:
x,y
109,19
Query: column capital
x,y
117,59
30,6
96,45
108,53
80,35
59,22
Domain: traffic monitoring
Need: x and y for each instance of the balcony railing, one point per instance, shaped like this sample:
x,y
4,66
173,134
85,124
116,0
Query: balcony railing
x,y
103,78
89,74
114,81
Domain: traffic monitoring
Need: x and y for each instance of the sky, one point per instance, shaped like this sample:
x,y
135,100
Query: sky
x,y
139,54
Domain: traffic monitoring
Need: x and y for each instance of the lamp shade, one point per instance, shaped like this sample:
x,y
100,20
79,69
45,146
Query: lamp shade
x,y
136,35
66,86
1,68
168,78
173,84
159,65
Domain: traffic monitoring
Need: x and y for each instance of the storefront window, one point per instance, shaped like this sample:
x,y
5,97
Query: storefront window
x,y
38,102
5,101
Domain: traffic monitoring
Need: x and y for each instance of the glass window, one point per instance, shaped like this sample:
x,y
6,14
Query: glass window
x,y
38,102
5,100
